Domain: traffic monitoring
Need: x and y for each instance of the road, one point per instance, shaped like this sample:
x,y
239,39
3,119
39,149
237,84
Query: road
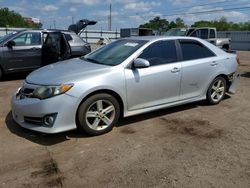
x,y
194,145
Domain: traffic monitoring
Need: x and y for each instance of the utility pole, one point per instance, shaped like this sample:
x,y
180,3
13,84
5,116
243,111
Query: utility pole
x,y
72,19
54,24
110,6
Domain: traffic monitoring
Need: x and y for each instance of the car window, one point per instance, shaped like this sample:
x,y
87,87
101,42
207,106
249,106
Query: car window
x,y
68,37
161,52
77,39
201,33
212,34
194,50
27,39
115,52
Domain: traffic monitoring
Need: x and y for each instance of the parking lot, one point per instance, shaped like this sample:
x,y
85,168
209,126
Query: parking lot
x,y
194,145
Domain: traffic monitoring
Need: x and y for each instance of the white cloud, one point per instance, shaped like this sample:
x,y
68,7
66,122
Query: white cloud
x,y
49,8
83,2
141,6
104,13
182,2
72,9
215,14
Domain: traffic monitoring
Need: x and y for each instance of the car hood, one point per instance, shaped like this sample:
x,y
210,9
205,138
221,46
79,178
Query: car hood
x,y
65,72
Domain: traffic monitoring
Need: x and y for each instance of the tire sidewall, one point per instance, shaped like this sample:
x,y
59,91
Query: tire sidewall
x,y
1,73
81,115
209,98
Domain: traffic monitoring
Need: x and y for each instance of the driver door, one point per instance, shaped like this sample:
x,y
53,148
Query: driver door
x,y
25,54
157,84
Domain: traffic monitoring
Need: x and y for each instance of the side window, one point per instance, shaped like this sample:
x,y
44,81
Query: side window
x,y
68,37
200,33
204,33
212,34
28,39
192,50
159,53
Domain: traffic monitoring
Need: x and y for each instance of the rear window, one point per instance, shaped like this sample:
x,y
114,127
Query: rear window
x,y
68,37
192,50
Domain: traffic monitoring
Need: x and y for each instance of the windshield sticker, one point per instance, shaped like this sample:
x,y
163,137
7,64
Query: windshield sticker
x,y
131,44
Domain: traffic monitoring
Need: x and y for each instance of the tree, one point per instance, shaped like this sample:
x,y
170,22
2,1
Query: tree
x,y
157,23
12,19
179,22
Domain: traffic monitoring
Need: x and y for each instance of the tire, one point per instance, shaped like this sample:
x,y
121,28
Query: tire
x,y
226,48
98,114
216,90
1,73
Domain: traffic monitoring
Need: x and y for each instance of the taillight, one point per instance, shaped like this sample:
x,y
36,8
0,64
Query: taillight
x,y
238,59
87,46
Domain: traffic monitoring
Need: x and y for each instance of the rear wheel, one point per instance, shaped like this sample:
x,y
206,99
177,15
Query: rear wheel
x,y
216,90
98,114
1,73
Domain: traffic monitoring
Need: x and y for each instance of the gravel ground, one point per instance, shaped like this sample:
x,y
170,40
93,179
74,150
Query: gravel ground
x,y
194,145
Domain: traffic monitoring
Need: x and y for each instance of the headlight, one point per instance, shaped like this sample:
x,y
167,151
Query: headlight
x,y
45,92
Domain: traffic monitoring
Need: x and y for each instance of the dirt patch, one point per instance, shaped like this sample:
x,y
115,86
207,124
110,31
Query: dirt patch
x,y
198,128
50,173
128,130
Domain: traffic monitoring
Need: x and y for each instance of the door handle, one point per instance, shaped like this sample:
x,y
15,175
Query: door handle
x,y
175,69
214,63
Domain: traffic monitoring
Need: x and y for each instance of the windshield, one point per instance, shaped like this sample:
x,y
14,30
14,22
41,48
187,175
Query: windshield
x,y
115,52
7,36
176,32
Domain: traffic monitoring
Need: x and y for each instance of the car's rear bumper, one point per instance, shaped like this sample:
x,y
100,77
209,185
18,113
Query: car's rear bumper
x,y
234,83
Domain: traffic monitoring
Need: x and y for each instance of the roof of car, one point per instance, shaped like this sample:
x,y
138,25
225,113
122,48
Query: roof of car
x,y
153,38
48,30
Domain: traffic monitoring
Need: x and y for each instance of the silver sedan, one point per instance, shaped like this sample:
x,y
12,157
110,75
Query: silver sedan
x,y
126,77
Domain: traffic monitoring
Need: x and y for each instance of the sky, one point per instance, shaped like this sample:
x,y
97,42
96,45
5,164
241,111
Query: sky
x,y
127,13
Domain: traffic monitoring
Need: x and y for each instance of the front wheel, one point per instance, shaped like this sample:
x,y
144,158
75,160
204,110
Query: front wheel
x,y
98,114
216,90
1,74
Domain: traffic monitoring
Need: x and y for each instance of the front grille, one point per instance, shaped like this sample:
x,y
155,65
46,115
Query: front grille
x,y
34,120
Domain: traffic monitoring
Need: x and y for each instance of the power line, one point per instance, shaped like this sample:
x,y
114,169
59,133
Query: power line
x,y
209,11
205,4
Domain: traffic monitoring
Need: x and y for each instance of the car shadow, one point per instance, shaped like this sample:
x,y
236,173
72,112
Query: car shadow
x,y
37,137
15,76
52,139
246,75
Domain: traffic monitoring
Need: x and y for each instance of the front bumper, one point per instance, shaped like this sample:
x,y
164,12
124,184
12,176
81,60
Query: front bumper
x,y
63,106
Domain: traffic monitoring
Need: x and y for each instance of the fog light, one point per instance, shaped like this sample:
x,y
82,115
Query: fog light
x,y
49,120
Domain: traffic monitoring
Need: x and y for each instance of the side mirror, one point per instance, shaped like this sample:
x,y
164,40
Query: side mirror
x,y
10,44
141,63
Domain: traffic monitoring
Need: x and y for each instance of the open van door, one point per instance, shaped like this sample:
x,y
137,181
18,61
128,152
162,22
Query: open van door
x,y
55,47
80,25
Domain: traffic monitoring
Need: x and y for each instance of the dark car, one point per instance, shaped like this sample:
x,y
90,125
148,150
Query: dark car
x,y
27,50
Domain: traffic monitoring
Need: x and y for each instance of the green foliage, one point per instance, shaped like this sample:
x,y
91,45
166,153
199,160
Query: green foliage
x,y
162,24
157,23
224,25
221,25
12,19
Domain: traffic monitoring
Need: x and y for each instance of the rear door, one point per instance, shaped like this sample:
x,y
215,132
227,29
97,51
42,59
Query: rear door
x,y
25,54
198,67
55,48
157,84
